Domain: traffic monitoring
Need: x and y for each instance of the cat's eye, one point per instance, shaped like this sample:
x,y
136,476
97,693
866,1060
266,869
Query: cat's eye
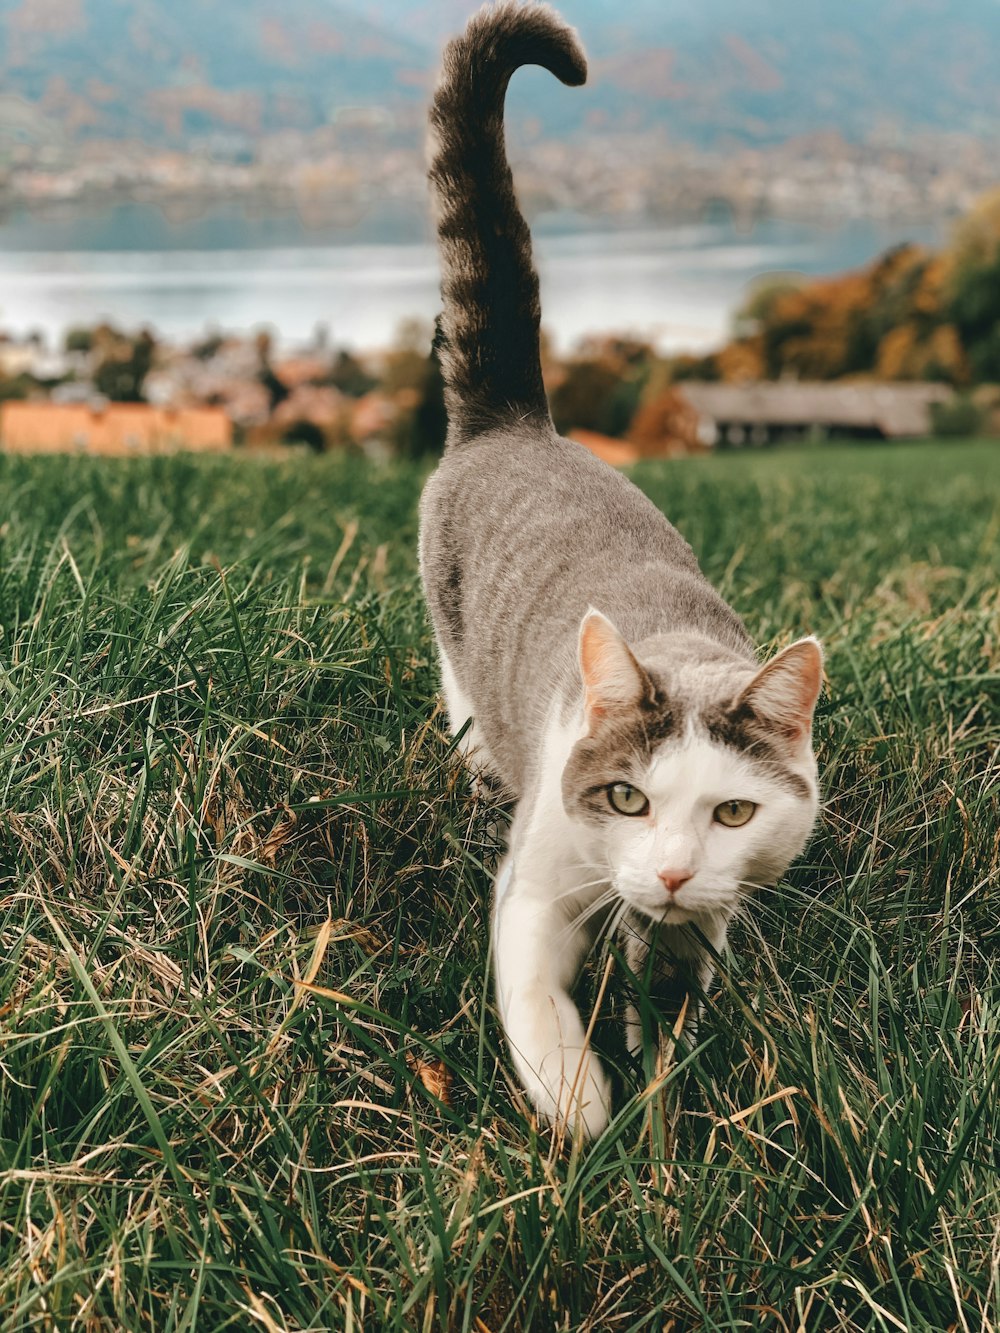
x,y
627,800
734,814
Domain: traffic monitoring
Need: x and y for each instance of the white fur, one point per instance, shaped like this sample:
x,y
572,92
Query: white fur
x,y
684,784
557,868
542,887
472,745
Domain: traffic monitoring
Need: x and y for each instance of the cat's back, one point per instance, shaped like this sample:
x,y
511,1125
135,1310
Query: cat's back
x,y
522,532
508,479
529,497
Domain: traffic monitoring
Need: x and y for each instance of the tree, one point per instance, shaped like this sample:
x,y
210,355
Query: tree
x,y
124,365
974,286
307,433
276,388
665,423
350,377
79,339
600,389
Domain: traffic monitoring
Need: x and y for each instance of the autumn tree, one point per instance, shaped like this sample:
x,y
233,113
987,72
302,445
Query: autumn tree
x,y
600,388
412,378
974,286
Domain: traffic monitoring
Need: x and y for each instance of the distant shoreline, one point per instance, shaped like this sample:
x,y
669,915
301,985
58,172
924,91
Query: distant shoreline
x,y
341,220
232,269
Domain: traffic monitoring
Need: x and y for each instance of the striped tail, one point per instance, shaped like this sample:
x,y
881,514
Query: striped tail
x,y
488,331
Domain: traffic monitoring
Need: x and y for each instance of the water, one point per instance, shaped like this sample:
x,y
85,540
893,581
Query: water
x,y
231,269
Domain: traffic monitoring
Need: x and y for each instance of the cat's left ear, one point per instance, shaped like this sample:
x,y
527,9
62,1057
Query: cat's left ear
x,y
784,691
612,679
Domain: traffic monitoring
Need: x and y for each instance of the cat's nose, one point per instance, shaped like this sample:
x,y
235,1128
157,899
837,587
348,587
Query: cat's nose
x,y
672,880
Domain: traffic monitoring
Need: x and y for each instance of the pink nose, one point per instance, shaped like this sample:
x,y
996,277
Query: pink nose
x,y
672,880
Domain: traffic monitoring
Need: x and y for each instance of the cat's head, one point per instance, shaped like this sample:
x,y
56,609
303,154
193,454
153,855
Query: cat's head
x,y
694,781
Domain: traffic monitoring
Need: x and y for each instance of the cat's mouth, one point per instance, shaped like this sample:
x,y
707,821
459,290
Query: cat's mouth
x,y
703,902
675,915
664,914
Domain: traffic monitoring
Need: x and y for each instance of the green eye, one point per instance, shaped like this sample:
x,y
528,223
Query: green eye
x,y
627,800
734,814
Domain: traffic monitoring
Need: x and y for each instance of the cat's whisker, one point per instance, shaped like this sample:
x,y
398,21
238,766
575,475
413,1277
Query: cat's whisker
x,y
577,924
578,889
595,909
601,868
614,924
599,905
609,900
781,892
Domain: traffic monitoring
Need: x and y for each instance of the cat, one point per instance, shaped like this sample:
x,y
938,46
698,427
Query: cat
x,y
659,773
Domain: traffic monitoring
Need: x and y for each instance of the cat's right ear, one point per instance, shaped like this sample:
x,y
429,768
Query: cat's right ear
x,y
612,679
784,691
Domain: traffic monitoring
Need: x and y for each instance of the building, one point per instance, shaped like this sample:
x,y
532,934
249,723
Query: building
x,y
113,428
756,413
619,453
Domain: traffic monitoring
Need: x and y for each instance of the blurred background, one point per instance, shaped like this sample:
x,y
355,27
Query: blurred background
x,y
759,219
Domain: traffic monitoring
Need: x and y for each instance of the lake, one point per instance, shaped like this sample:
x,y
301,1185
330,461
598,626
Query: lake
x,y
230,268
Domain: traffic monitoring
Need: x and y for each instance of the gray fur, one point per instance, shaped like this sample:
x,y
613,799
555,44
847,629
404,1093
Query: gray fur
x,y
519,536
521,530
490,289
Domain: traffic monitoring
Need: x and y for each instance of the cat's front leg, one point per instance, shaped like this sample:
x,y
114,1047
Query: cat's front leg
x,y
537,952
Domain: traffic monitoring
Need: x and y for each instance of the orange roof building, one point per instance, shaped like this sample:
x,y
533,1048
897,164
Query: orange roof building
x,y
619,453
117,429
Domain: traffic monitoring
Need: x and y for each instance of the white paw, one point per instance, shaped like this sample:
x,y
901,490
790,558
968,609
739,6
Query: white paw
x,y
569,1089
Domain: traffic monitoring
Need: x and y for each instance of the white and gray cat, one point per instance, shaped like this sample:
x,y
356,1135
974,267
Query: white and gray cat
x,y
660,773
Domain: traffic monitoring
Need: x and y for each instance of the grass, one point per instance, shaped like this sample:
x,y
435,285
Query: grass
x,y
250,1076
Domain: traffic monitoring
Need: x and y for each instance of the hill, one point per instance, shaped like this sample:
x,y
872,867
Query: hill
x,y
745,70
173,72
765,70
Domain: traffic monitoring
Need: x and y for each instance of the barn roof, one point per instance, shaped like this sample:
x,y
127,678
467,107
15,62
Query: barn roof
x,y
892,409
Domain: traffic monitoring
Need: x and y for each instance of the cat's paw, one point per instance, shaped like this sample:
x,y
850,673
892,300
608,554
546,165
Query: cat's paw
x,y
570,1090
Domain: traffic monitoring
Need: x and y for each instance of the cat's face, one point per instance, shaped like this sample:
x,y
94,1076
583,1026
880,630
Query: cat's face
x,y
693,792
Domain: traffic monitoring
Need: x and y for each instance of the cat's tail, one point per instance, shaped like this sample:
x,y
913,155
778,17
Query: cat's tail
x,y
488,331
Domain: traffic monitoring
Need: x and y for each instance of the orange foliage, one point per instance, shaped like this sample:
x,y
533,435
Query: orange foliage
x,y
665,424
819,323
897,319
742,360
946,357
908,353
931,294
897,354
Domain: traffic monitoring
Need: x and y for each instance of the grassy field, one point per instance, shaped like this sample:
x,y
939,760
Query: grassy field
x,y
250,1076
